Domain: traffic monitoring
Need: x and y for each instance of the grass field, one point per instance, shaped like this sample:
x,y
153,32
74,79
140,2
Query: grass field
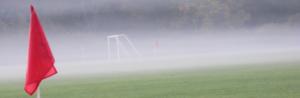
x,y
279,80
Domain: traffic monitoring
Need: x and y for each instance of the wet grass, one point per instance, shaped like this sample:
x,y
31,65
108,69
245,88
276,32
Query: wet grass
x,y
281,80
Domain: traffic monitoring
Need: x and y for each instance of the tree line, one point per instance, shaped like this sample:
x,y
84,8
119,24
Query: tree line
x,y
169,15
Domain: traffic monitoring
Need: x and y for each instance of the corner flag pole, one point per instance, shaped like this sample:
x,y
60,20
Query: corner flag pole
x,y
155,53
38,92
82,54
156,45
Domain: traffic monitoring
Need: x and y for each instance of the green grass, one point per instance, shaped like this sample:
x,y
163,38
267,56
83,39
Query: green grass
x,y
253,81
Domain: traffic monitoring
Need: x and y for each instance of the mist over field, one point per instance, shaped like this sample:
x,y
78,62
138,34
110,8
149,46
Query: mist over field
x,y
77,30
175,48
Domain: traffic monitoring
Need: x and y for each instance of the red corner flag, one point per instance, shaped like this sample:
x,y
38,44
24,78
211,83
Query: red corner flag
x,y
40,59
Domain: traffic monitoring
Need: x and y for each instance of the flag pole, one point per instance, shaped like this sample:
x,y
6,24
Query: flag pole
x,y
155,52
82,55
156,44
38,92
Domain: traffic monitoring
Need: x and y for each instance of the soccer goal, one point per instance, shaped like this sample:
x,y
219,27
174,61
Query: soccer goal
x,y
120,47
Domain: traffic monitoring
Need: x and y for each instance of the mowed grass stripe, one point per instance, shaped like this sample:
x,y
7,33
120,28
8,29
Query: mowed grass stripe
x,y
247,81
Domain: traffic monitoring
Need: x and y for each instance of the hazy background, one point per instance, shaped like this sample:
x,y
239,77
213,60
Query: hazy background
x,y
77,30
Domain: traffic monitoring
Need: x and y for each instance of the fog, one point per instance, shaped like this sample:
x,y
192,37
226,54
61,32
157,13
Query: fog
x,y
186,31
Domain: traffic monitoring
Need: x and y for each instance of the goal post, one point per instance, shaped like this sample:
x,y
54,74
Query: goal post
x,y
120,45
